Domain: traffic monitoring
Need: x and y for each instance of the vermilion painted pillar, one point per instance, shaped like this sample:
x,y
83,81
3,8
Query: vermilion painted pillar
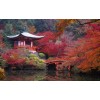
x,y
18,43
21,43
24,43
31,44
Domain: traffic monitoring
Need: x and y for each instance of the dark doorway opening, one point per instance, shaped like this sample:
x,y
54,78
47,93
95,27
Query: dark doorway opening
x,y
51,67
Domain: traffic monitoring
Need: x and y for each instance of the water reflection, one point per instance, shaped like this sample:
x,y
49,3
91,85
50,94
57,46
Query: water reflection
x,y
59,76
43,75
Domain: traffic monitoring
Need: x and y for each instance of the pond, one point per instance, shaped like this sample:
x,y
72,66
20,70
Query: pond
x,y
43,75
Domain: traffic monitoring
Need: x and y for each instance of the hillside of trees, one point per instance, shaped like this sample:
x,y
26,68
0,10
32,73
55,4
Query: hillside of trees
x,y
77,41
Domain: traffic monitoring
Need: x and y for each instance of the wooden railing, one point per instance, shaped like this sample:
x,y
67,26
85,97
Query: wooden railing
x,y
26,46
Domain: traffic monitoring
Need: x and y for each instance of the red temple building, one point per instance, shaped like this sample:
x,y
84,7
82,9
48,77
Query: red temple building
x,y
25,40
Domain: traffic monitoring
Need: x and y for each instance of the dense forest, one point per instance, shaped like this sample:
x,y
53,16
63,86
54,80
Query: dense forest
x,y
76,42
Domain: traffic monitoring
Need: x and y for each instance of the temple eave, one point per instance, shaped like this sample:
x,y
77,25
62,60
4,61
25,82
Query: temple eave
x,y
25,35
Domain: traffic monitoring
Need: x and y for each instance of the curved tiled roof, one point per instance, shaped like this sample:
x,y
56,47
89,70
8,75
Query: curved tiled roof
x,y
26,34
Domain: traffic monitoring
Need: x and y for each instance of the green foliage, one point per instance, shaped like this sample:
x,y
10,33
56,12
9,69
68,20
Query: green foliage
x,y
75,30
35,61
39,78
8,28
21,25
2,62
9,44
42,55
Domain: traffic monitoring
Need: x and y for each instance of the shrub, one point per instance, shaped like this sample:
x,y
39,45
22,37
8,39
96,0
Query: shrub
x,y
2,62
50,45
15,56
42,55
35,61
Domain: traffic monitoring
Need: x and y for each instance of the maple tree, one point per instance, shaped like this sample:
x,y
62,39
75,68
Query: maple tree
x,y
14,56
2,45
49,45
85,53
62,23
21,58
91,49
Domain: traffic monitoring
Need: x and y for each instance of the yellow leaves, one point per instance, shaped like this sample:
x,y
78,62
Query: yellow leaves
x,y
95,20
2,74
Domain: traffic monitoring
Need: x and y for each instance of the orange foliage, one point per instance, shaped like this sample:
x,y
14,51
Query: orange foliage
x,y
91,50
1,42
87,51
62,24
31,29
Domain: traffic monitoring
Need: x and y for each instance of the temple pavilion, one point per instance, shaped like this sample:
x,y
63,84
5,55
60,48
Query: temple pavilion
x,y
25,40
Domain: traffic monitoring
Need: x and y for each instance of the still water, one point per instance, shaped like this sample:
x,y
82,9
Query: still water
x,y
41,75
